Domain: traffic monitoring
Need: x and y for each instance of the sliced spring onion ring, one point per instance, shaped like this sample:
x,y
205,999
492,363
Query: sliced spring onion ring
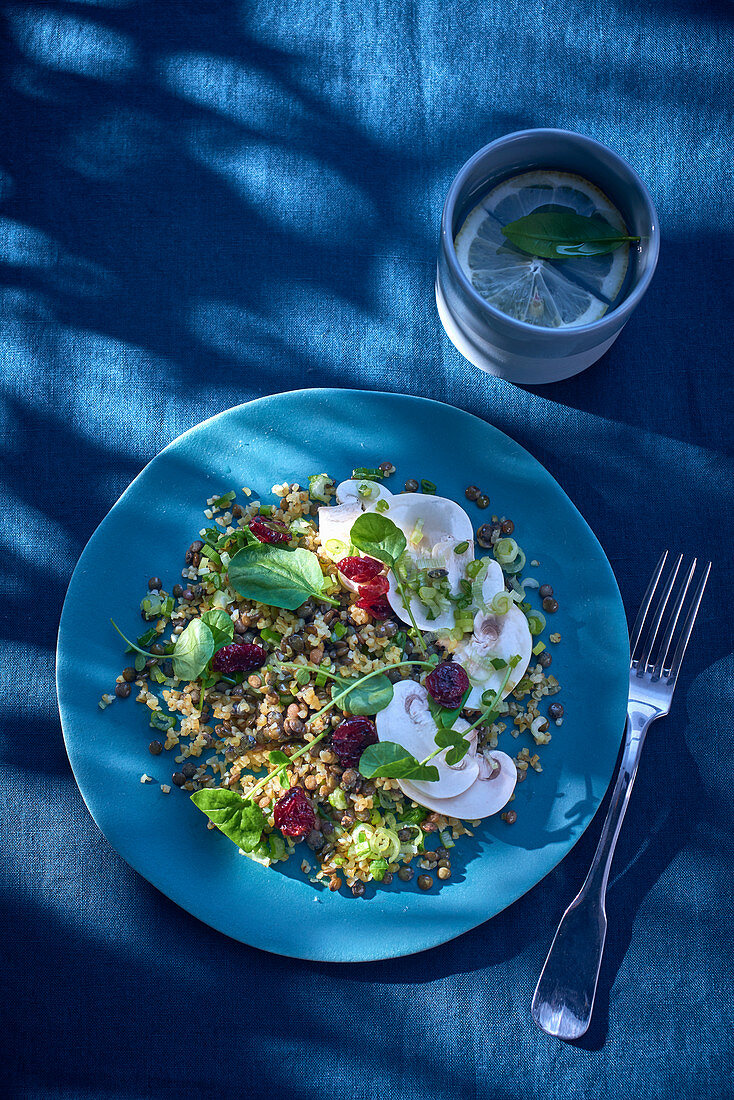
x,y
536,622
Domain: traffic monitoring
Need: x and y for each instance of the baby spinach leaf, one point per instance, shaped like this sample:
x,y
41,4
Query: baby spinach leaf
x,y
368,697
221,626
193,650
388,760
276,577
556,235
378,536
239,819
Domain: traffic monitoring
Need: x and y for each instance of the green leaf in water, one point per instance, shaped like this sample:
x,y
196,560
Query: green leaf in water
x,y
555,235
240,820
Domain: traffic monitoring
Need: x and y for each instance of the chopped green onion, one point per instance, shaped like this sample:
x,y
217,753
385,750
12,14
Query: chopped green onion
x,y
211,554
367,490
160,721
516,565
338,799
501,603
336,549
301,526
497,663
378,868
427,487
382,506
416,534
374,474
317,486
461,547
320,680
538,648
271,636
266,510
505,550
473,567
536,622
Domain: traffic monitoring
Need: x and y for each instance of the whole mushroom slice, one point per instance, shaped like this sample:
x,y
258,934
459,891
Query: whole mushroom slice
x,y
495,637
336,520
434,527
486,796
408,722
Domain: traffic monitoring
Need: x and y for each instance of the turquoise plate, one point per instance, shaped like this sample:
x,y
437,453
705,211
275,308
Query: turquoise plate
x,y
286,437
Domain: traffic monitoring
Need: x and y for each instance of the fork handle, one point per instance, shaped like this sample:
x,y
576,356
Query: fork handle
x,y
564,997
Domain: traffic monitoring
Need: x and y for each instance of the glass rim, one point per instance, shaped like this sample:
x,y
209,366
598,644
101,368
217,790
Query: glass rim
x,y
540,331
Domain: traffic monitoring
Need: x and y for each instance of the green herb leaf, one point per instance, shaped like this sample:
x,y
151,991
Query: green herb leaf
x,y
387,760
221,626
302,676
379,537
556,235
278,757
278,578
240,820
369,697
457,745
193,650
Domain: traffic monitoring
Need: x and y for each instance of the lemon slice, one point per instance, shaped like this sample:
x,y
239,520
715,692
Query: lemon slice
x,y
548,293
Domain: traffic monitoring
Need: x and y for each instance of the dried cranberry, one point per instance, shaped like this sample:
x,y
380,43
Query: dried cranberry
x,y
351,737
447,684
269,530
374,588
239,657
293,813
377,606
360,570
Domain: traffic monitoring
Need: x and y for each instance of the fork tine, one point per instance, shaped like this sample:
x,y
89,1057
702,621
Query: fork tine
x,y
687,629
657,618
665,644
645,606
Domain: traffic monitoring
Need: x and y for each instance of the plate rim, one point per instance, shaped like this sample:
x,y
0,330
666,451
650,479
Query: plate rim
x,y
327,392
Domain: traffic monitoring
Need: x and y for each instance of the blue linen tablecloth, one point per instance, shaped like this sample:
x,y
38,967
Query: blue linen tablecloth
x,y
202,203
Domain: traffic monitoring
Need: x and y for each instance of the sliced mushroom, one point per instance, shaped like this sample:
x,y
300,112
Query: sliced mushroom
x,y
495,637
408,722
434,527
486,796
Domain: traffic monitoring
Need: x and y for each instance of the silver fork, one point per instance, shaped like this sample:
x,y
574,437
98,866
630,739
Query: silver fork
x,y
564,997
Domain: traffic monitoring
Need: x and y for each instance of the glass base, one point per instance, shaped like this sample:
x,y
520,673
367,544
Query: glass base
x,y
524,369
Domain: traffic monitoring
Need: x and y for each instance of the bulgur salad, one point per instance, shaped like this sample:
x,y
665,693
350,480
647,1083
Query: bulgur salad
x,y
339,668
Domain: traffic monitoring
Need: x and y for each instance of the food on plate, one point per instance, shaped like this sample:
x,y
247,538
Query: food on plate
x,y
339,669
